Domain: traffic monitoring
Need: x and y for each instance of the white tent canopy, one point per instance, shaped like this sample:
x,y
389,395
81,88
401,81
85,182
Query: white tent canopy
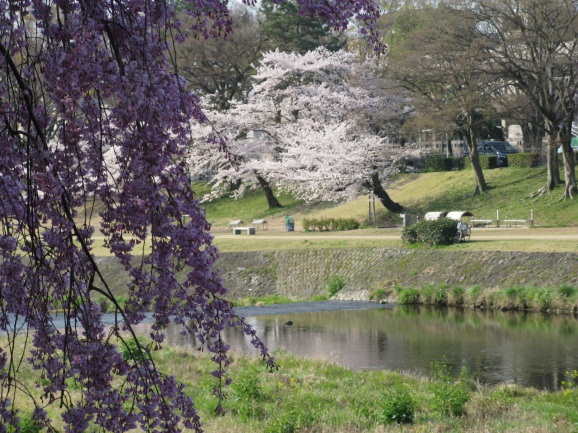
x,y
458,215
434,215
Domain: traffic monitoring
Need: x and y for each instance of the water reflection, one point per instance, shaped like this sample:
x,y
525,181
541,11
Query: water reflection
x,y
499,347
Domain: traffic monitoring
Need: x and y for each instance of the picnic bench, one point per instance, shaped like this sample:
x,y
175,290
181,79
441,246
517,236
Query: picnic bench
x,y
516,223
240,230
261,222
234,223
521,222
487,222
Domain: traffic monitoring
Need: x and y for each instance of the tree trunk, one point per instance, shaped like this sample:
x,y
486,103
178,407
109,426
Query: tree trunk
x,y
481,185
375,185
553,172
271,199
569,163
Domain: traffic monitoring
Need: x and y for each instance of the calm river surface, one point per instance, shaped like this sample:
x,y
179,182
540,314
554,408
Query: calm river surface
x,y
499,347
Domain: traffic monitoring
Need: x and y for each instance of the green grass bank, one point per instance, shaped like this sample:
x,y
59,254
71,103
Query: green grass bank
x,y
509,193
313,396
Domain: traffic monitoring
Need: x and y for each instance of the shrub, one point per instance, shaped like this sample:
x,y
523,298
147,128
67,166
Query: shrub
x,y
486,162
524,160
436,232
398,407
409,234
441,163
329,224
336,283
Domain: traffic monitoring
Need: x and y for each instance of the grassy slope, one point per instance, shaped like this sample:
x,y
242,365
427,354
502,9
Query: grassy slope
x,y
421,193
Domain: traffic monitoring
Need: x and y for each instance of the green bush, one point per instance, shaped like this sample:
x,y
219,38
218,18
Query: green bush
x,y
398,407
486,162
329,224
336,283
409,234
436,232
524,160
442,163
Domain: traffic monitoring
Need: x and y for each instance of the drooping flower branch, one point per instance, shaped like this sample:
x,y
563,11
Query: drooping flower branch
x,y
82,80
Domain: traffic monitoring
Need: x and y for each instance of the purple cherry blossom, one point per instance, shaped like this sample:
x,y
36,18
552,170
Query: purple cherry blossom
x,y
96,126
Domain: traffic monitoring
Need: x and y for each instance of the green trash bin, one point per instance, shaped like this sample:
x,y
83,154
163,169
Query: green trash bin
x,y
289,223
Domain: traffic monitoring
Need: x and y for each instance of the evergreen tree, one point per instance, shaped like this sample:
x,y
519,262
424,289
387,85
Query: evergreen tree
x,y
285,28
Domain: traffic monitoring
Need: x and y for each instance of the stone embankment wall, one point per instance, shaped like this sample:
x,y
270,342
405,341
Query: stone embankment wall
x,y
305,273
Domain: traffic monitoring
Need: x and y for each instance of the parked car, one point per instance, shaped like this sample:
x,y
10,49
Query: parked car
x,y
499,148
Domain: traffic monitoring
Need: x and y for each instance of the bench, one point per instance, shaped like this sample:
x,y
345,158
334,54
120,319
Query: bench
x,y
234,223
515,223
240,230
486,223
262,223
521,222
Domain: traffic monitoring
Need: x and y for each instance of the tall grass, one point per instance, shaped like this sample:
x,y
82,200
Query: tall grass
x,y
529,298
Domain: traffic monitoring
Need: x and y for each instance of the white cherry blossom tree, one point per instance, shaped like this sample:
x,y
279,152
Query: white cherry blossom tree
x,y
311,127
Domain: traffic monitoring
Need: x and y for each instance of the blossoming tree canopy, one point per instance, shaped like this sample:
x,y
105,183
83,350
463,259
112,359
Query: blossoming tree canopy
x,y
311,126
81,80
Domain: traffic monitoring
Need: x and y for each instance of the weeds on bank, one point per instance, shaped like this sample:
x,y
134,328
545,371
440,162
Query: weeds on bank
x,y
252,301
559,299
335,284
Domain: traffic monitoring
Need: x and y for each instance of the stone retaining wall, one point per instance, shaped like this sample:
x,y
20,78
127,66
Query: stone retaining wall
x,y
302,274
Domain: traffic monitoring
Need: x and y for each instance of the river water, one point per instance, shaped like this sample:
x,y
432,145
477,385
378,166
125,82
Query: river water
x,y
529,349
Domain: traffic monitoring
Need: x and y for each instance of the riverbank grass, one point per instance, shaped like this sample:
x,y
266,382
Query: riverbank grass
x,y
308,395
561,299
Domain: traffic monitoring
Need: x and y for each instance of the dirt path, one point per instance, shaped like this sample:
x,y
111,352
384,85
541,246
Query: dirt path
x,y
505,233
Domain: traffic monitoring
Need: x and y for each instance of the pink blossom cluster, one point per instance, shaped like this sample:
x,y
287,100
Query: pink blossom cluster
x,y
311,126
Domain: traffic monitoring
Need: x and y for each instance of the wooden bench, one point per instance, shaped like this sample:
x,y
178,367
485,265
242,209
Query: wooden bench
x,y
240,230
262,223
